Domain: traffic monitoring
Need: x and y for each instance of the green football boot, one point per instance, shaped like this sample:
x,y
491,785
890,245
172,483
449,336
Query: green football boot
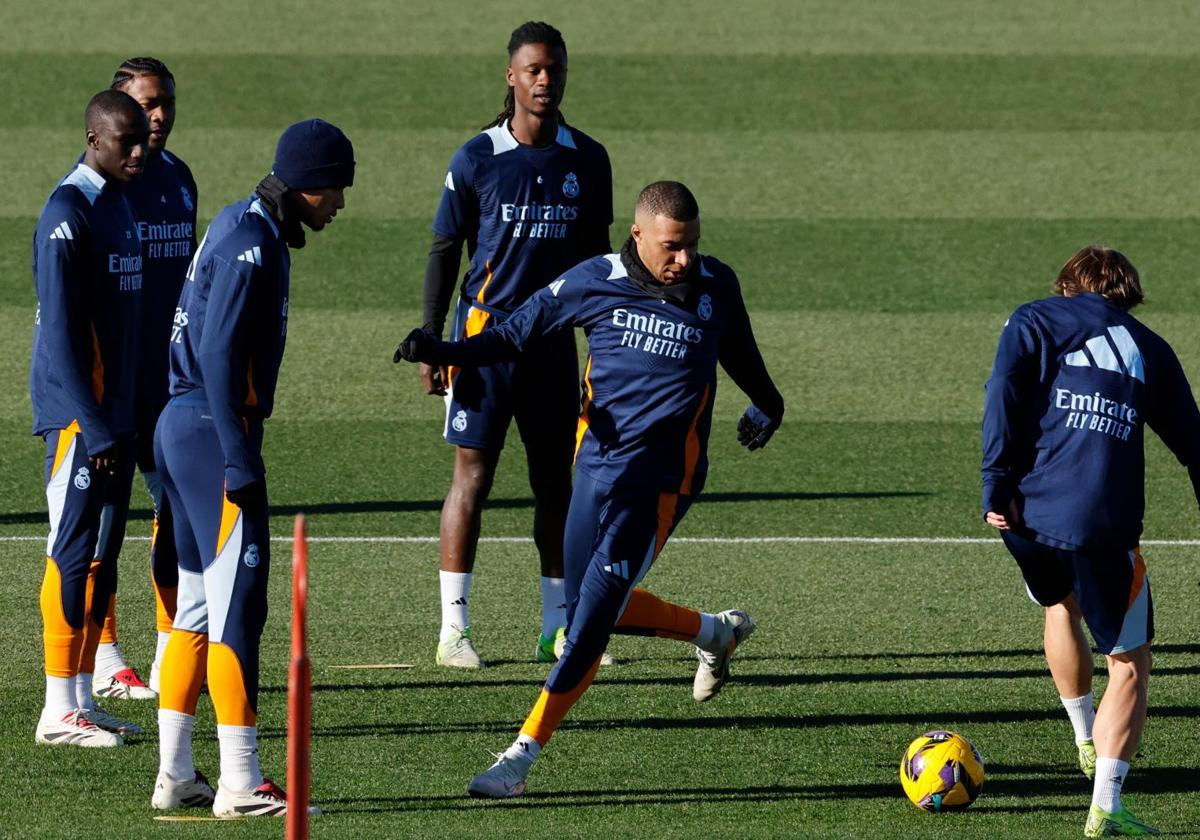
x,y
1123,823
1087,758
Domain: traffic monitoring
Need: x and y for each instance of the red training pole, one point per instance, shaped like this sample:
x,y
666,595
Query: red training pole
x,y
299,769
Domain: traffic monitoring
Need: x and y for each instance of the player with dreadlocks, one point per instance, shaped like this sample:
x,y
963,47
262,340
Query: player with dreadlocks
x,y
163,201
530,196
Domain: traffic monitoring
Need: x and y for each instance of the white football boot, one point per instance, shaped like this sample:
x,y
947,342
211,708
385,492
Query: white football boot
x,y
733,628
458,651
73,729
503,780
193,793
560,647
266,800
123,685
110,723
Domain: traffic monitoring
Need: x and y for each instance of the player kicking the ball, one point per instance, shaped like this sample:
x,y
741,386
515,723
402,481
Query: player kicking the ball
x,y
659,318
1076,381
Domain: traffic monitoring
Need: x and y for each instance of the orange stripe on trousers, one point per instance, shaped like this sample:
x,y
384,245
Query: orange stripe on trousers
x,y
227,685
183,668
1139,577
550,709
62,642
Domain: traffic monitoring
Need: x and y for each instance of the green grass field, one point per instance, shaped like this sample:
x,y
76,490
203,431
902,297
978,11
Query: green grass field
x,y
890,181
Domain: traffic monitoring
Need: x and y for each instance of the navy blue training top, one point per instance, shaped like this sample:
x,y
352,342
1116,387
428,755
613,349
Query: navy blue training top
x,y
651,374
87,270
1075,381
164,204
527,213
231,327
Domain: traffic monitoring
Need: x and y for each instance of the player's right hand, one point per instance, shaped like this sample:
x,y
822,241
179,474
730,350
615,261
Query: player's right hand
x,y
755,428
414,348
434,378
105,461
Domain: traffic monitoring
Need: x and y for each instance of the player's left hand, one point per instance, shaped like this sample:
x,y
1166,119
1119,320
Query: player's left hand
x,y
414,348
755,428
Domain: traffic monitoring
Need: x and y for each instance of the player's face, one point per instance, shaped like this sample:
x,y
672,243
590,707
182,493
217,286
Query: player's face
x,y
317,208
537,73
666,247
157,98
117,146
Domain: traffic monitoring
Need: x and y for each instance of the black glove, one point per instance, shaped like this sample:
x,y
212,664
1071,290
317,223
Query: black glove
x,y
251,499
756,428
415,347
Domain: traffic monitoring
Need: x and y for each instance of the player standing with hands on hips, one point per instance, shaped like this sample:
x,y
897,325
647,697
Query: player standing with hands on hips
x,y
87,270
659,319
226,349
1076,381
531,197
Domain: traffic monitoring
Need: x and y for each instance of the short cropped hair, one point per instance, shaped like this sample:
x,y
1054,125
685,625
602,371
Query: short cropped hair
x,y
107,103
668,198
1105,271
143,65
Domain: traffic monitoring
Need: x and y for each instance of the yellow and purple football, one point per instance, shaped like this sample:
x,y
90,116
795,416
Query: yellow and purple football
x,y
941,771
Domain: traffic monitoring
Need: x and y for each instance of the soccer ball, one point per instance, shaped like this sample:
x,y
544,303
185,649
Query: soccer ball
x,y
941,771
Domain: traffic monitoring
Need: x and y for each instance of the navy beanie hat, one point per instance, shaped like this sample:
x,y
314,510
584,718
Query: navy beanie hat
x,y
313,155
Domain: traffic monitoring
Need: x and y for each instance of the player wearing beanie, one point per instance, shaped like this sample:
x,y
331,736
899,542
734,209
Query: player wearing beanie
x,y
226,348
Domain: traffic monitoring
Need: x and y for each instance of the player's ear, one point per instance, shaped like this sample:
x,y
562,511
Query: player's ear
x,y
635,232
510,76
93,139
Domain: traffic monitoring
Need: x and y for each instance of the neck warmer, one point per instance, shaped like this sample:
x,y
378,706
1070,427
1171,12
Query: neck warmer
x,y
680,292
271,191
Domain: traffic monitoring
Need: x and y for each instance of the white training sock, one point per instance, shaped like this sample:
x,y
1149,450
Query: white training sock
x,y
109,660
239,757
455,586
175,745
554,605
708,631
1110,776
1082,712
524,749
83,691
60,695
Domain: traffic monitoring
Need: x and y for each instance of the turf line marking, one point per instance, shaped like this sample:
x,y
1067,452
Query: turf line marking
x,y
695,540
383,666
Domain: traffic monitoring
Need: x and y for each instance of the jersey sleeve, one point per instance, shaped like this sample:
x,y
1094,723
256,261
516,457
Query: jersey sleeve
x,y
1014,373
62,252
224,360
558,305
739,355
601,210
1173,415
458,211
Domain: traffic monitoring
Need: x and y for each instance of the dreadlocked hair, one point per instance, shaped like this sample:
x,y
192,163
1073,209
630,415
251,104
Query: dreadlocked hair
x,y
530,32
131,68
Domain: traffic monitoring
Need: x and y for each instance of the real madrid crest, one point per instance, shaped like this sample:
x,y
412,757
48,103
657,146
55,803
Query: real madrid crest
x,y
251,558
704,307
187,198
571,185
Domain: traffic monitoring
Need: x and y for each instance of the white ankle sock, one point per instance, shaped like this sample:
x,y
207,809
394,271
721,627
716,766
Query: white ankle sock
x,y
1110,776
554,605
239,757
175,745
1082,712
109,660
524,749
708,631
60,695
455,586
83,691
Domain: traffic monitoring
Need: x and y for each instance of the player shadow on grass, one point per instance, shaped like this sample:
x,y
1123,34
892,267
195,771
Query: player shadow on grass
x,y
926,719
433,505
763,680
1027,782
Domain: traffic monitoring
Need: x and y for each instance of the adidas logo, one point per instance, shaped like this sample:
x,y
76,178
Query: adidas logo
x,y
254,255
63,231
620,569
1114,350
460,602
556,285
